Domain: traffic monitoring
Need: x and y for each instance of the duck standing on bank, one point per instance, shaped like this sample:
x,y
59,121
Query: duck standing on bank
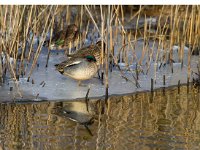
x,y
83,64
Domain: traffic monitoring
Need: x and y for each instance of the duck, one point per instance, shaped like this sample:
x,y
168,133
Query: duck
x,y
64,38
79,68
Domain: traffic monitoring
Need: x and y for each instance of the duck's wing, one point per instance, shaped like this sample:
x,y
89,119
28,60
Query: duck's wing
x,y
72,63
67,63
82,52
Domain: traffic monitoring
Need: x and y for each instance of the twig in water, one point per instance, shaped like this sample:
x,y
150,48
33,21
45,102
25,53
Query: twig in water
x,y
86,126
28,79
106,96
188,80
11,88
102,77
87,99
137,72
151,85
33,81
41,82
163,79
178,86
37,96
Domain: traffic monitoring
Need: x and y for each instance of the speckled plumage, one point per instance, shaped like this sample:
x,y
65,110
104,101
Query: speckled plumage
x,y
65,37
93,50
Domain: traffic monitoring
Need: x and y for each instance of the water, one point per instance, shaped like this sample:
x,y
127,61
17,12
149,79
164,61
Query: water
x,y
162,120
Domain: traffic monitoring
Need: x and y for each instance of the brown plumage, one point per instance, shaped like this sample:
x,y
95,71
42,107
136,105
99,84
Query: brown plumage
x,y
92,50
65,37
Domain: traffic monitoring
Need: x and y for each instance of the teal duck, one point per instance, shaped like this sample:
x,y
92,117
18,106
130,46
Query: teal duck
x,y
78,68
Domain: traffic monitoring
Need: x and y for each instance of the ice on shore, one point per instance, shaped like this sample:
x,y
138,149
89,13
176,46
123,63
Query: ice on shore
x,y
49,84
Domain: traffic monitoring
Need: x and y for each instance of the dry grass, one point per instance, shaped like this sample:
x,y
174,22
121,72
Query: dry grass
x,y
175,25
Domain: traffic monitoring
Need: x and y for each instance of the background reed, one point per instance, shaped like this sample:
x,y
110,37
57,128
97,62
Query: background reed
x,y
175,25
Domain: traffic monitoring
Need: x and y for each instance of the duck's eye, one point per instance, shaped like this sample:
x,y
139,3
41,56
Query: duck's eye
x,y
90,58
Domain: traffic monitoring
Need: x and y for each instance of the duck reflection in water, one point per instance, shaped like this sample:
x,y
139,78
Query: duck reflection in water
x,y
77,112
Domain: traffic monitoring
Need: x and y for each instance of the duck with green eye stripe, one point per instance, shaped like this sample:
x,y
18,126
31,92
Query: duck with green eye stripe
x,y
79,69
93,50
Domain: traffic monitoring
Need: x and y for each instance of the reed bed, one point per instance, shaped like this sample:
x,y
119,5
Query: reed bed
x,y
174,25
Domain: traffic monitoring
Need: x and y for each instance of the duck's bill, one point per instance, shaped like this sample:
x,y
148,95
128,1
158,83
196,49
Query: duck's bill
x,y
52,47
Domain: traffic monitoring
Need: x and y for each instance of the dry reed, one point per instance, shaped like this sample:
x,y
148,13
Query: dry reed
x,y
17,23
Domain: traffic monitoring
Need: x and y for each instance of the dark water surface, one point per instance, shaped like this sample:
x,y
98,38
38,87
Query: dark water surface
x,y
140,121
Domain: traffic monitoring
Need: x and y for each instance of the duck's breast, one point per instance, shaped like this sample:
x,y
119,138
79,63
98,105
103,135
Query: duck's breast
x,y
83,71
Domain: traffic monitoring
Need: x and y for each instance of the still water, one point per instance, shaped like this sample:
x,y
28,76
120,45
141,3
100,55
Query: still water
x,y
162,120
